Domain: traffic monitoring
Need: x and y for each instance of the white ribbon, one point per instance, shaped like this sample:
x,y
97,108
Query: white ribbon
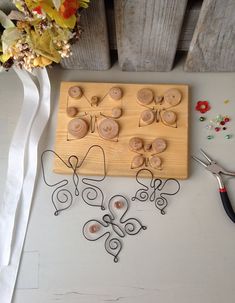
x,y
16,163
8,273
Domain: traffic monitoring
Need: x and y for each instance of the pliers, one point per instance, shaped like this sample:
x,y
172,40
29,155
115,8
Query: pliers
x,y
217,171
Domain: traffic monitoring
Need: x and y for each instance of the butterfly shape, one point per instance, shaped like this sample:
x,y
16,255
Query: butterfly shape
x,y
62,196
157,191
114,226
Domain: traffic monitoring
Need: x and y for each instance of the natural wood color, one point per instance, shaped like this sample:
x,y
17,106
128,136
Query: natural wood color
x,y
119,157
213,45
147,33
91,52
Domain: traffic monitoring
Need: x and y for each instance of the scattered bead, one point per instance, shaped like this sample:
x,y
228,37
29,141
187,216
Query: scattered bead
x,y
210,137
202,119
226,101
224,128
222,122
209,126
219,118
217,129
228,136
226,119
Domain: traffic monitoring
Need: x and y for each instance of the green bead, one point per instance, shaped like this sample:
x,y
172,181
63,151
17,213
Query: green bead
x,y
228,136
210,137
202,119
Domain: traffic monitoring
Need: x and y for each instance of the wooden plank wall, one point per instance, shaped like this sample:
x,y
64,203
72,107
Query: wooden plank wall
x,y
6,5
190,21
147,33
92,51
213,45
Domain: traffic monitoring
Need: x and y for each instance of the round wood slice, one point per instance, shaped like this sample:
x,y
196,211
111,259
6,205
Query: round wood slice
x,y
172,96
108,129
75,92
159,145
145,96
78,128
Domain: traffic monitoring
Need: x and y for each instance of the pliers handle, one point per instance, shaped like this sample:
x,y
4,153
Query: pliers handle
x,y
217,171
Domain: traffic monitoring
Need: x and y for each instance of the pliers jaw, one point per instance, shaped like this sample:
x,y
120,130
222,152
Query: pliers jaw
x,y
217,170
213,167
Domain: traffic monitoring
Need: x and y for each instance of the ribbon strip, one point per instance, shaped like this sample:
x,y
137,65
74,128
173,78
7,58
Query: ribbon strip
x,y
16,164
8,273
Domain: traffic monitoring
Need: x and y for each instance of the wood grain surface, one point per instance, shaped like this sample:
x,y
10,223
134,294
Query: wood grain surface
x,y
148,33
91,52
118,155
213,45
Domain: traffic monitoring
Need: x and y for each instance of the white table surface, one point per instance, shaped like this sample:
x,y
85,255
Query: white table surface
x,y
188,255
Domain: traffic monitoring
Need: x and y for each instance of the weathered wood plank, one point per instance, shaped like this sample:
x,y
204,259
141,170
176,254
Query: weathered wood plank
x,y
147,33
6,5
190,21
91,52
213,44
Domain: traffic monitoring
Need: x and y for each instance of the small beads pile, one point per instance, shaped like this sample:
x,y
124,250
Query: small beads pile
x,y
217,124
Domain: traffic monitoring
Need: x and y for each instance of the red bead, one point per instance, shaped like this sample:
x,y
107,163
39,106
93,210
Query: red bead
x,y
222,122
217,129
226,119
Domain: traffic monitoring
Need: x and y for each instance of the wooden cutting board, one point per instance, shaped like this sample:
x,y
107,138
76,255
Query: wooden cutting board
x,y
118,155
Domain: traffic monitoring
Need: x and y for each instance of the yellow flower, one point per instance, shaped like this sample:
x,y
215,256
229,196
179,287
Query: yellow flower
x,y
41,61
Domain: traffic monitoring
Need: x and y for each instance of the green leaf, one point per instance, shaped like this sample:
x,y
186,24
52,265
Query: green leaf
x,y
5,21
9,38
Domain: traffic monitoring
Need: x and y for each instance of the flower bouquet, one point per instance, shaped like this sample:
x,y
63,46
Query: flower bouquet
x,y
39,32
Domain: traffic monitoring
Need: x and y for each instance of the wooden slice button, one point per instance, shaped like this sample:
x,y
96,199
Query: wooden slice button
x,y
169,117
136,144
159,145
148,147
72,111
155,162
108,129
94,228
158,99
147,117
75,92
119,204
173,96
115,93
78,128
145,96
137,161
95,100
116,112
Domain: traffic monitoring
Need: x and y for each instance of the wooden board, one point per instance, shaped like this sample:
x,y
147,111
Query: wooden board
x,y
91,52
147,33
118,155
213,45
